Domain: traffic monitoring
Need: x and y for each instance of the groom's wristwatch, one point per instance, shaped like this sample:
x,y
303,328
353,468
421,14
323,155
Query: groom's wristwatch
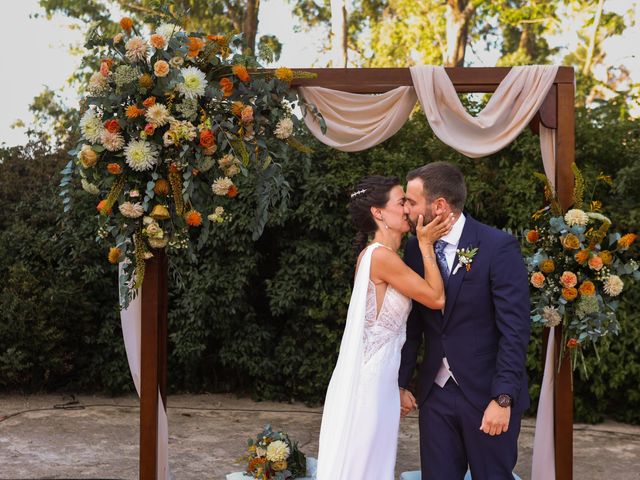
x,y
503,400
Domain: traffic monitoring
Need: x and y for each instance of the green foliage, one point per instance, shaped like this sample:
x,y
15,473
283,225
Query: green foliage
x,y
266,317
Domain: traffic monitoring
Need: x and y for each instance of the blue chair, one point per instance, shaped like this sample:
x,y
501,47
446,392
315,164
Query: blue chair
x,y
417,476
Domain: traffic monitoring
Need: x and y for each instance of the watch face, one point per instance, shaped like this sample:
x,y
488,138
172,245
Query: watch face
x,y
504,400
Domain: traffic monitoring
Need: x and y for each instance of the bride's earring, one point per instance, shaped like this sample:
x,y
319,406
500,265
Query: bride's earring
x,y
384,223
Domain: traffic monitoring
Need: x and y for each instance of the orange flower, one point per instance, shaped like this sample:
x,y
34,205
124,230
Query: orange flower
x,y
145,81
114,168
149,129
158,41
587,289
195,45
173,168
284,74
193,218
105,65
582,256
126,23
547,266
236,108
133,111
572,343
114,255
149,102
533,236
226,84
595,263
570,242
112,126
537,279
161,68
626,240
241,72
207,139
216,38
606,257
568,279
569,293
161,187
100,207
233,191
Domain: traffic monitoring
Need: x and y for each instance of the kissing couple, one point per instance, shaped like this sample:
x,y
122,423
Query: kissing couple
x,y
461,291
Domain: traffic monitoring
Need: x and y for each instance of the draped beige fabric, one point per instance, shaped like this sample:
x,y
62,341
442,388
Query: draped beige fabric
x,y
356,122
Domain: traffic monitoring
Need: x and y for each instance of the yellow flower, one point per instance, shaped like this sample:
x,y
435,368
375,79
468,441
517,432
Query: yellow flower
x,y
606,257
571,242
145,80
285,74
547,266
114,255
279,466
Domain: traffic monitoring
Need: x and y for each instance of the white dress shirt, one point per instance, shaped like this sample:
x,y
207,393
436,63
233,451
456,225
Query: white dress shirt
x,y
452,239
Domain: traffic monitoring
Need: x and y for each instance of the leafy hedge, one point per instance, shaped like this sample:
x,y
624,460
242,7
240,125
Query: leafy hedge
x,y
265,317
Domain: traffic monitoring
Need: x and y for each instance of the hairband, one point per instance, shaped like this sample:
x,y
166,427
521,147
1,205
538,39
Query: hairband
x,y
359,192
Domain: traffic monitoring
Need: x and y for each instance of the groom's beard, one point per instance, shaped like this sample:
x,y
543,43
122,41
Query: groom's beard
x,y
413,222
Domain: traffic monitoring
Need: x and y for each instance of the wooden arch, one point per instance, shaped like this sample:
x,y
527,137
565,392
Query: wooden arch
x,y
557,111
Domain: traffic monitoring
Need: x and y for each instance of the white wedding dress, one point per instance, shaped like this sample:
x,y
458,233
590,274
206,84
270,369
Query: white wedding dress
x,y
361,418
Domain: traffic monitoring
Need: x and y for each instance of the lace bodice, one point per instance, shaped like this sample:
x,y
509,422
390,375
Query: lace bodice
x,y
387,326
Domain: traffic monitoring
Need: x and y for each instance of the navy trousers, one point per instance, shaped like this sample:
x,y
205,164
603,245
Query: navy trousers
x,y
451,439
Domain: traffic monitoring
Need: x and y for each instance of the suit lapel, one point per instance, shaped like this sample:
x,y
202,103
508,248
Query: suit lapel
x,y
467,239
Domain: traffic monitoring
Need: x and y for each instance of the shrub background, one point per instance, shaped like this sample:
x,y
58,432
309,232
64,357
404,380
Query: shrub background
x,y
265,318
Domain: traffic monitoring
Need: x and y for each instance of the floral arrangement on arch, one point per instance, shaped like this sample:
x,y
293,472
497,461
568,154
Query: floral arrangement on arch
x,y
577,268
174,124
273,456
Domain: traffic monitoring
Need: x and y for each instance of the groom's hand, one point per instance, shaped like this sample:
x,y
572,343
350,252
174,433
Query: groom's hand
x,y
407,402
495,419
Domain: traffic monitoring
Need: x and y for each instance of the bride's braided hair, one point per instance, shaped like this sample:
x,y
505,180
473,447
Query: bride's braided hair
x,y
372,191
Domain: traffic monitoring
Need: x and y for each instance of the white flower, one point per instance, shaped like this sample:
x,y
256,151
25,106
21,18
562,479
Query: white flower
x,y
91,126
112,141
232,170
141,155
221,186
576,216
261,452
134,193
131,210
216,216
98,84
168,138
613,285
194,82
227,160
551,317
167,30
176,62
89,187
284,129
137,49
277,451
157,115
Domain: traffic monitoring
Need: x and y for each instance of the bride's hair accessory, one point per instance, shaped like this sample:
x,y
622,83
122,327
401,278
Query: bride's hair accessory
x,y
359,192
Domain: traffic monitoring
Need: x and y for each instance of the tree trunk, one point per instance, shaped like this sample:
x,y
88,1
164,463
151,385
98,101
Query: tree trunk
x,y
250,25
339,40
458,16
592,38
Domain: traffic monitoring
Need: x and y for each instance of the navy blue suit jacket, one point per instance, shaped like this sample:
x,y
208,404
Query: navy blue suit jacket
x,y
484,331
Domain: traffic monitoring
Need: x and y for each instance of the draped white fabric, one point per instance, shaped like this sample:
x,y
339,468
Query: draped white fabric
x,y
543,465
131,319
341,401
357,122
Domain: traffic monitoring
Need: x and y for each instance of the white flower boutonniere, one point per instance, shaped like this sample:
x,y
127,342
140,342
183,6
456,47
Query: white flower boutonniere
x,y
465,256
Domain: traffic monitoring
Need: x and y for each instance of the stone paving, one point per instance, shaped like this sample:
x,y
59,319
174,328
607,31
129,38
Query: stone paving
x,y
98,439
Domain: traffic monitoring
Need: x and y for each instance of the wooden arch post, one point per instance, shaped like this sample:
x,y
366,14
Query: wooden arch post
x,y
557,112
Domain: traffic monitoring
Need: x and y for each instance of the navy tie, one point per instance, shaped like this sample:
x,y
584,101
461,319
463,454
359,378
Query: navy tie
x,y
442,259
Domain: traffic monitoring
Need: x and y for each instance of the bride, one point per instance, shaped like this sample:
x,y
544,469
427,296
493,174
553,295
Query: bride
x,y
361,418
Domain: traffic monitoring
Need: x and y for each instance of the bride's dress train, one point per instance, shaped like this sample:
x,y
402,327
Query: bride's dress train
x,y
359,433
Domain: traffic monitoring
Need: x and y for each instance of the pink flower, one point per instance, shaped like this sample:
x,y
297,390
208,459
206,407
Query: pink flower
x,y
595,263
537,279
568,279
247,114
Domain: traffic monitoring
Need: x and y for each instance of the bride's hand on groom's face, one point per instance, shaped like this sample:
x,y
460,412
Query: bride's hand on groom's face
x,y
435,229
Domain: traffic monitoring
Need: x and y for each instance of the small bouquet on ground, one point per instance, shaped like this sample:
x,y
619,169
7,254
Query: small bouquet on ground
x,y
577,267
272,455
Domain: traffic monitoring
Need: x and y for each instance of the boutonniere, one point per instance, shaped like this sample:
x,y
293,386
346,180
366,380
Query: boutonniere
x,y
465,256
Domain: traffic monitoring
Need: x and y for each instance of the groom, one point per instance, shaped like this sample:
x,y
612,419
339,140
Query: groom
x,y
472,381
